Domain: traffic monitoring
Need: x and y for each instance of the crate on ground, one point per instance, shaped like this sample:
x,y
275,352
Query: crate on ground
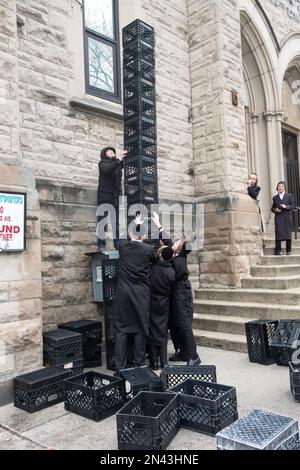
x,y
93,395
260,430
285,341
140,379
148,422
91,331
61,347
206,407
295,379
259,335
39,389
175,375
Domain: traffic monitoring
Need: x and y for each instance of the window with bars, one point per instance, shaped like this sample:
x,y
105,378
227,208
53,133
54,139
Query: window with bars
x,y
101,38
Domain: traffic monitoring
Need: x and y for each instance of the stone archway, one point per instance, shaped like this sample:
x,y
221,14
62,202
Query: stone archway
x,y
263,116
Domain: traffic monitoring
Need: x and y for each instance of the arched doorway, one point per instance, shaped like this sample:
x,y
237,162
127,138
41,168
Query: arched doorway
x,y
291,127
262,105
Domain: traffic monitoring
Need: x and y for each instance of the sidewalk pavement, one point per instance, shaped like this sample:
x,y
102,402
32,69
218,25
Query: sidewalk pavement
x,y
258,386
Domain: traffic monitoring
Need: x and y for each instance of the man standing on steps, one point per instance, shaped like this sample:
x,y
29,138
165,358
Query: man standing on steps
x,y
109,191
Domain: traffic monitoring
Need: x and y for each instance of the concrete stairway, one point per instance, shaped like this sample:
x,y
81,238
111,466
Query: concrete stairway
x,y
272,291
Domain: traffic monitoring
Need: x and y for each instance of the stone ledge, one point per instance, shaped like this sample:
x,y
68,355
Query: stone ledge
x,y
107,108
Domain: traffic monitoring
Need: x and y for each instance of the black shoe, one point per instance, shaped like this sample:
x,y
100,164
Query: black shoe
x,y
163,365
288,253
153,365
178,357
117,374
277,253
194,362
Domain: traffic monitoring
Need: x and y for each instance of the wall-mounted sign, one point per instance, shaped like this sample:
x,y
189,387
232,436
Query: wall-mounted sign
x,y
12,221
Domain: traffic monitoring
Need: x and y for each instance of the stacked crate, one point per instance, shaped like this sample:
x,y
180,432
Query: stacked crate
x,y
91,332
140,132
63,349
259,335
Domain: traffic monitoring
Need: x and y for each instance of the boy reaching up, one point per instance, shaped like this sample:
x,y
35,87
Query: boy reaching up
x,y
131,310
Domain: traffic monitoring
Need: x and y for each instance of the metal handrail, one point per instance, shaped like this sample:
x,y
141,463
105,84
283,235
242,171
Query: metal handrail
x,y
296,220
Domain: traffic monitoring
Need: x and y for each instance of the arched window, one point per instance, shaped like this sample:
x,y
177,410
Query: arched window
x,y
101,39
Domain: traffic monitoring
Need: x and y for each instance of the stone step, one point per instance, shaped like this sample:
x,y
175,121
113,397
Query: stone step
x,y
250,295
240,309
220,323
272,260
270,251
275,271
278,282
271,243
213,339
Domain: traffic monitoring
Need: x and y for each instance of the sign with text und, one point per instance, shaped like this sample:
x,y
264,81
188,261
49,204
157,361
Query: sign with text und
x,y
12,221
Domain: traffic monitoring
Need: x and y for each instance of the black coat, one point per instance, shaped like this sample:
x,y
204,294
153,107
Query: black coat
x,y
110,178
284,219
131,309
253,191
181,302
162,284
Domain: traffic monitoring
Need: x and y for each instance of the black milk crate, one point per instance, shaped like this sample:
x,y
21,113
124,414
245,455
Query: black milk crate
x,y
139,68
140,167
75,367
109,333
93,356
141,187
141,147
175,375
284,342
259,335
260,430
39,389
140,127
148,422
206,407
139,379
295,379
143,107
138,31
95,396
137,89
139,51
110,270
61,347
91,333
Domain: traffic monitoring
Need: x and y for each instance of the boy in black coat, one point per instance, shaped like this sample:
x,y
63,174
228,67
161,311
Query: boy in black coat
x,y
162,283
181,307
283,205
109,189
131,309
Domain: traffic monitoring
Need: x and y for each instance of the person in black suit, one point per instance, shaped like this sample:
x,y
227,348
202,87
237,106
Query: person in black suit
x,y
109,190
162,283
131,309
181,306
283,205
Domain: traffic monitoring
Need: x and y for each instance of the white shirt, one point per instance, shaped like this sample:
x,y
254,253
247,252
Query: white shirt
x,y
281,195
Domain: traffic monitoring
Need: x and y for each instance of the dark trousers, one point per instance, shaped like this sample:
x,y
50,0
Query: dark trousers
x,y
176,338
288,246
158,352
102,241
189,348
184,340
139,345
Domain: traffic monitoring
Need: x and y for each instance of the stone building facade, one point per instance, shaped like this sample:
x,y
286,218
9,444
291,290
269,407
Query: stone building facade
x,y
226,73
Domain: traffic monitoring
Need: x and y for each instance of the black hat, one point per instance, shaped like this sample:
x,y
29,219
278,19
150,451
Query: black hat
x,y
104,150
167,253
